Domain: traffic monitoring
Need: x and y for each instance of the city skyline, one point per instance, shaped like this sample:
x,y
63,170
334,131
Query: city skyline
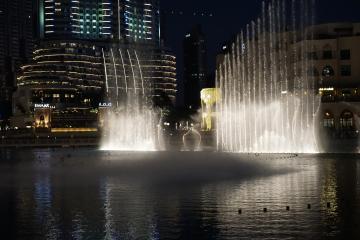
x,y
179,120
221,22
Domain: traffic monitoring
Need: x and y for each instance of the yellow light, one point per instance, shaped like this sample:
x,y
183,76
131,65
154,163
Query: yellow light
x,y
71,130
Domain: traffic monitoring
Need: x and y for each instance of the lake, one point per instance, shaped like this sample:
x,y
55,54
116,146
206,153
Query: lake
x,y
90,194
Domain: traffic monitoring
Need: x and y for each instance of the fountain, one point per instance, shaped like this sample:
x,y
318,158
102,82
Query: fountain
x,y
269,101
130,121
192,140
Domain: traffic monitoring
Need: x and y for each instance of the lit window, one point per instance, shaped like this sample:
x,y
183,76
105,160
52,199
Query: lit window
x,y
328,71
329,121
347,120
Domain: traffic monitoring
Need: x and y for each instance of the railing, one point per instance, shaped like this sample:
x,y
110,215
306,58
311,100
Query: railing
x,y
332,99
48,142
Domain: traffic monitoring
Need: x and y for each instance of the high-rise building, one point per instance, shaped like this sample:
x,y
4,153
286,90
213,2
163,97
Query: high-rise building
x,y
155,66
139,21
87,45
84,19
195,67
72,78
126,20
17,29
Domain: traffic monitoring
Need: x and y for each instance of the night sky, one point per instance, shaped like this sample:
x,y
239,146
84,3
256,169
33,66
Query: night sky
x,y
229,17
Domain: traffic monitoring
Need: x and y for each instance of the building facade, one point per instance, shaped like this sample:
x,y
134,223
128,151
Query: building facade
x,y
139,21
126,20
195,67
87,49
322,64
335,54
17,32
61,87
75,78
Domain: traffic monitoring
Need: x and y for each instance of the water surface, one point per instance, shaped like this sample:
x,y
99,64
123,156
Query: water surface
x,y
87,194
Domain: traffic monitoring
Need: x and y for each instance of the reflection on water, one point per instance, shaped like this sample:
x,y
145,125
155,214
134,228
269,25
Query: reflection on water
x,y
39,203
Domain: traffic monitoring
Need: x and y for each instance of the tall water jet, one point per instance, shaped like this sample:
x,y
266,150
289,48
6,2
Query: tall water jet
x,y
130,122
268,98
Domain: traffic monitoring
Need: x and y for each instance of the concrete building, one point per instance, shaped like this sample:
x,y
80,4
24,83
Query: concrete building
x,y
335,54
324,60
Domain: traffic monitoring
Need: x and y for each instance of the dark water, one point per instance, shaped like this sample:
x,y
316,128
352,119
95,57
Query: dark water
x,y
57,194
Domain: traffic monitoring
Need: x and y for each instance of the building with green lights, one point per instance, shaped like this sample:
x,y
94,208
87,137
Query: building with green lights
x,y
125,20
78,56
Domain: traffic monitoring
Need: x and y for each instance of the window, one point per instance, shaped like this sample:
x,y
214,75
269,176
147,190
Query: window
x,y
312,56
328,71
327,54
347,120
329,121
345,70
345,54
313,72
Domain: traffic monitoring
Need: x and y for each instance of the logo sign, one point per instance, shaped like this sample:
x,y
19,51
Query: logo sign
x,y
44,106
105,105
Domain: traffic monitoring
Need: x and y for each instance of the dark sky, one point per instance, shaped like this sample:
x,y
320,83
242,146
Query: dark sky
x,y
230,16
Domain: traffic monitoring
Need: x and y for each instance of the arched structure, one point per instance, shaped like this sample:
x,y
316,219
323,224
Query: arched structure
x,y
347,120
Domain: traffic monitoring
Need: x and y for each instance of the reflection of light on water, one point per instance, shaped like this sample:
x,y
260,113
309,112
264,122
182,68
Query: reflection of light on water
x,y
118,207
78,226
44,201
294,189
109,224
127,216
42,159
329,189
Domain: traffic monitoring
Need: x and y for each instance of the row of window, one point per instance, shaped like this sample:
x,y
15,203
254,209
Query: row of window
x,y
345,54
346,120
345,71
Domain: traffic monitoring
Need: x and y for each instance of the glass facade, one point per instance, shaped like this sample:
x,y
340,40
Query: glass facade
x,y
64,73
126,20
140,20
85,19
156,66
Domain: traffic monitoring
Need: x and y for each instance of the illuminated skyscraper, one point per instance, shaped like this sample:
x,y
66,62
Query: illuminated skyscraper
x,y
85,19
80,44
126,20
139,20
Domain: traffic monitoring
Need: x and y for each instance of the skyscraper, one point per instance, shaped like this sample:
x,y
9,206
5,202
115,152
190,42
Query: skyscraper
x,y
84,19
139,20
126,20
17,29
86,45
195,67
